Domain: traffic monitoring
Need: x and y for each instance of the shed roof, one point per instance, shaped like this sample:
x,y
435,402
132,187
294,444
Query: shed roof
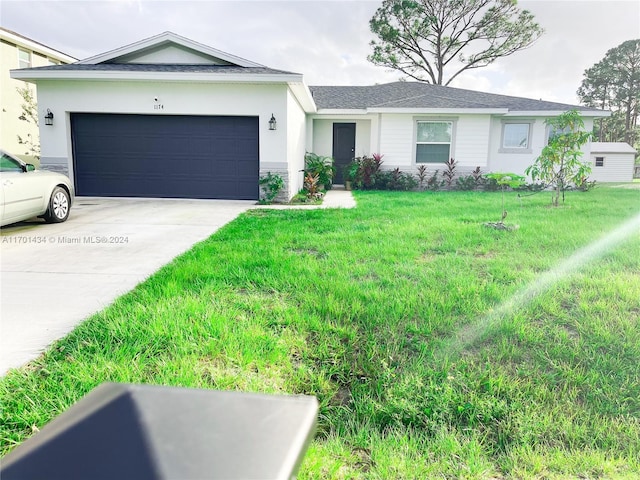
x,y
612,147
424,95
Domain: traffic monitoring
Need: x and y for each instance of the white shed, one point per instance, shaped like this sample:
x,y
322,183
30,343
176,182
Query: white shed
x,y
612,162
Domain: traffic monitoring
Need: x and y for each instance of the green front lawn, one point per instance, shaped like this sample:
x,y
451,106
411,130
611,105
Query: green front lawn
x,y
437,347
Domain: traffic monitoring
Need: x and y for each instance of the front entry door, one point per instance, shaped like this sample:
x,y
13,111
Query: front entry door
x,y
344,147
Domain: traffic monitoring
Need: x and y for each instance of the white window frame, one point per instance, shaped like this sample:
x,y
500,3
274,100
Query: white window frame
x,y
21,61
451,143
526,149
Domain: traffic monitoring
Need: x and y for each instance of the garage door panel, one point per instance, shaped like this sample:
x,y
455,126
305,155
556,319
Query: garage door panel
x,y
166,156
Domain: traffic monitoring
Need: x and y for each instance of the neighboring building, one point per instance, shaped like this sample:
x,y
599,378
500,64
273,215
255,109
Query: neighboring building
x,y
17,51
612,162
169,117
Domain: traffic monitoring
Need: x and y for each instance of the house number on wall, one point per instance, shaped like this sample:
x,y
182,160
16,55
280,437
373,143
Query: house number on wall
x,y
158,106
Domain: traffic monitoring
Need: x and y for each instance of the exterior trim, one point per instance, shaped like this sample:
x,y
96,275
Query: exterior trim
x,y
452,145
439,111
168,37
529,148
555,113
13,38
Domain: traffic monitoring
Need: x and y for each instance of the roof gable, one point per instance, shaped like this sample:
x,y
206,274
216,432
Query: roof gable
x,y
168,48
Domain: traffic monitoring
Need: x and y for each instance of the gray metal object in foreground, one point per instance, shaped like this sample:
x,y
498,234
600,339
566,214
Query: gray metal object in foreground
x,y
148,432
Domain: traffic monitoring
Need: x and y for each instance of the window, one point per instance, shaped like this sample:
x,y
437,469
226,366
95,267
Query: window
x,y
8,164
515,136
24,58
554,132
599,161
433,142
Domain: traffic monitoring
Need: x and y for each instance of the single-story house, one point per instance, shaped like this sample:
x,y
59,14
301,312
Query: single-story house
x,y
612,162
169,117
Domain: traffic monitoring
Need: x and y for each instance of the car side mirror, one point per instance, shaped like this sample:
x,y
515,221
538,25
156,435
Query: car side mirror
x,y
30,167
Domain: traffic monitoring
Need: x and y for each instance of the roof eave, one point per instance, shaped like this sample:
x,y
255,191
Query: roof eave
x,y
303,96
35,75
341,111
436,111
555,113
37,47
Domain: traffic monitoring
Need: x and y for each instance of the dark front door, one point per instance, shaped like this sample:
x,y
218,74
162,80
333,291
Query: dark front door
x,y
344,147
175,156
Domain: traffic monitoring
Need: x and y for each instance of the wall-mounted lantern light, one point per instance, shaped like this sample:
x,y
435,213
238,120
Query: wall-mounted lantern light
x,y
48,118
272,123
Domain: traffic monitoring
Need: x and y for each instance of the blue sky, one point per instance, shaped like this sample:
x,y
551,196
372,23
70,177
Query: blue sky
x,y
328,41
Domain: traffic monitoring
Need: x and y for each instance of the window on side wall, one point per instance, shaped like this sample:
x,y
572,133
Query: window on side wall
x,y
554,132
516,137
24,58
599,161
433,141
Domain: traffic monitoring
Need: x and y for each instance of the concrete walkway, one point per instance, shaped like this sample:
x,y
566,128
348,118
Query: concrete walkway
x,y
52,277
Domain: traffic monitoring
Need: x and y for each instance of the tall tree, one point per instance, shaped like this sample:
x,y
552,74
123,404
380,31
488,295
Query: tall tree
x,y
436,40
614,83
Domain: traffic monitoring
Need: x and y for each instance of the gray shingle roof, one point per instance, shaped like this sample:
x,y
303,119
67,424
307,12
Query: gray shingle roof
x,y
423,95
158,67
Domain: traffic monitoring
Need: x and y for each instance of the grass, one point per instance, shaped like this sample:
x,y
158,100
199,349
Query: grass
x,y
363,308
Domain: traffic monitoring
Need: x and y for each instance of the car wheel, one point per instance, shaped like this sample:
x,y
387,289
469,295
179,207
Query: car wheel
x,y
58,206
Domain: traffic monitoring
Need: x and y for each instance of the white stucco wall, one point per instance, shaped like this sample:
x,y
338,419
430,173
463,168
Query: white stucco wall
x,y
65,97
296,138
470,146
516,162
366,134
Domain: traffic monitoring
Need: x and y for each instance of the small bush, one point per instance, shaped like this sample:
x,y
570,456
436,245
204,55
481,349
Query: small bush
x,y
367,171
321,166
395,180
434,183
312,187
466,183
271,184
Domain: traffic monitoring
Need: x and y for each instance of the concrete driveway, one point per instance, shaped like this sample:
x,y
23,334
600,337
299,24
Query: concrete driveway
x,y
54,276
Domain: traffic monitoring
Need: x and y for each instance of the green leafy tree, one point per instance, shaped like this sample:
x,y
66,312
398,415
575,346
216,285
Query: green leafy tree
x,y
560,163
427,39
29,114
614,83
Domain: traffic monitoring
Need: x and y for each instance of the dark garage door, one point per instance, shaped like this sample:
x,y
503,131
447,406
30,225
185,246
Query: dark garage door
x,y
165,156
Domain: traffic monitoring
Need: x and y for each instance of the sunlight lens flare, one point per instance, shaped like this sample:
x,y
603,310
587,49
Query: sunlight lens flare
x,y
470,334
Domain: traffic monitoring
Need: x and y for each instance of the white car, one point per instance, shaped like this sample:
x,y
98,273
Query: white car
x,y
26,192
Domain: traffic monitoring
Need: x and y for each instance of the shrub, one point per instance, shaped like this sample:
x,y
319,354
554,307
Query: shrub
x,y
321,166
312,187
434,183
395,180
271,184
467,182
367,172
